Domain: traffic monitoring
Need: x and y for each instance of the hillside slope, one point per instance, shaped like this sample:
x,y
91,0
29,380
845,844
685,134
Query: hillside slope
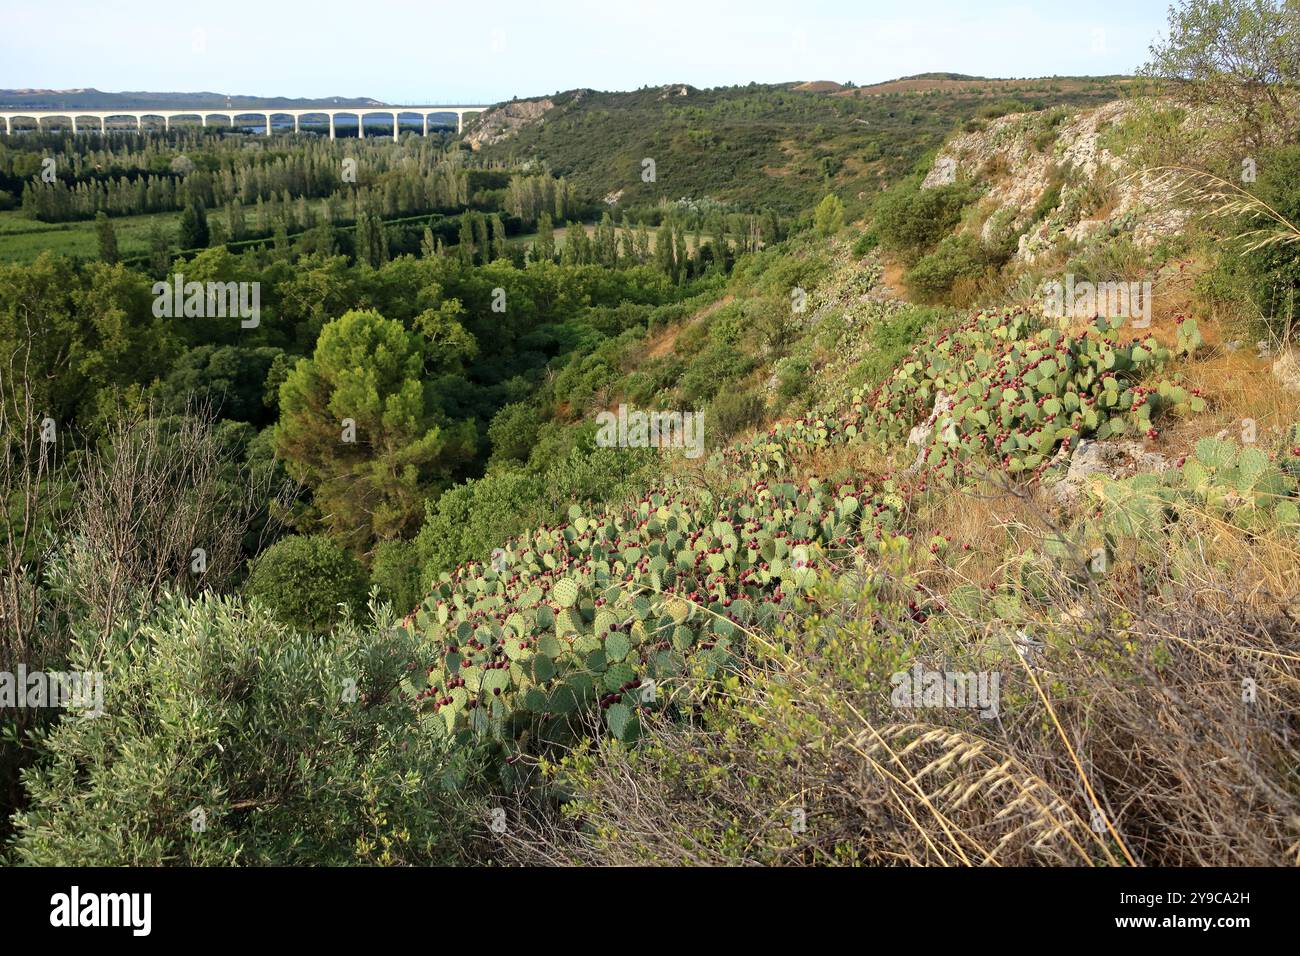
x,y
753,146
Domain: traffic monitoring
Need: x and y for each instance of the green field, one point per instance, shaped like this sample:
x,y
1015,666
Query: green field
x,y
23,239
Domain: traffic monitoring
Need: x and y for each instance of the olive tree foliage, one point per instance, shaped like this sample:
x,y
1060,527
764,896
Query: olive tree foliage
x,y
89,532
229,739
1239,56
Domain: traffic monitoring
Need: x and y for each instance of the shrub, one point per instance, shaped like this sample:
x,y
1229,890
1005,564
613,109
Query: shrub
x,y
303,581
712,370
912,220
866,242
791,378
513,432
469,521
1272,273
828,219
1051,197
229,739
1001,108
956,257
892,337
732,412
395,570
473,518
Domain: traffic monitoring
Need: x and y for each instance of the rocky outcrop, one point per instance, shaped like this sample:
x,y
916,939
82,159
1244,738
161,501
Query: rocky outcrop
x,y
1028,160
503,122
940,418
1121,459
1286,369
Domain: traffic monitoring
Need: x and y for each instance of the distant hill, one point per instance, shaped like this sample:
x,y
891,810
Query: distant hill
x,y
960,82
776,146
819,86
92,99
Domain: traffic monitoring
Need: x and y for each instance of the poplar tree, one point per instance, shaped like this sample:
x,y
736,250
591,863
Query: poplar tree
x,y
107,237
544,247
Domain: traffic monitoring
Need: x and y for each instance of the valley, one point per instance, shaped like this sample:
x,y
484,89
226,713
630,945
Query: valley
x,y
779,474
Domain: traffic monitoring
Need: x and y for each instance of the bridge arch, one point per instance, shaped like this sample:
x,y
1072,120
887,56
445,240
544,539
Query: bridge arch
x,y
396,112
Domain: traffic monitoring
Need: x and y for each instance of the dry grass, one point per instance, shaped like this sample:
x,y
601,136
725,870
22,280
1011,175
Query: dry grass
x,y
1155,725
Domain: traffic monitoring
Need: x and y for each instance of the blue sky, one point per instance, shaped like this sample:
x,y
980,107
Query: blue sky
x,y
424,51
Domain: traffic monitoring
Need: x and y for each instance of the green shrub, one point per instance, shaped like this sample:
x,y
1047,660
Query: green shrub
x,y
732,412
866,242
999,108
727,325
469,521
828,219
395,570
1051,197
956,257
892,338
306,581
912,220
1273,273
791,378
513,432
291,748
711,371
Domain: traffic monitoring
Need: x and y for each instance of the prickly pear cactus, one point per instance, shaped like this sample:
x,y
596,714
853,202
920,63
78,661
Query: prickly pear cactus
x,y
1015,394
607,614
626,608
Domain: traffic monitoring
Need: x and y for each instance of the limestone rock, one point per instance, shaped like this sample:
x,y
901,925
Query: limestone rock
x,y
1121,459
1286,369
504,121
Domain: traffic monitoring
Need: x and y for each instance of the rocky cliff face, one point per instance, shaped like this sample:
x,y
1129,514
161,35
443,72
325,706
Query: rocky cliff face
x,y
1050,178
503,121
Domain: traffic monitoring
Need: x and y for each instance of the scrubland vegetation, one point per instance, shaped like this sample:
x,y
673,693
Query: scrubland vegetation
x,y
364,588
